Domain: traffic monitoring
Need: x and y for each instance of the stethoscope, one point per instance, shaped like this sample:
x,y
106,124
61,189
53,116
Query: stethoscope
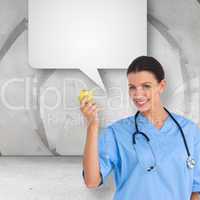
x,y
190,162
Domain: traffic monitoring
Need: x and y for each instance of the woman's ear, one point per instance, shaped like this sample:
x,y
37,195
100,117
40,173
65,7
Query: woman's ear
x,y
163,85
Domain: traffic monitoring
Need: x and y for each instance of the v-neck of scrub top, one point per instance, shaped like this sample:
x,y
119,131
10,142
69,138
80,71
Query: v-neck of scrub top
x,y
144,123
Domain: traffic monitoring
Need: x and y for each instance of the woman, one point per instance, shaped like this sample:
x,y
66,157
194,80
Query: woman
x,y
150,163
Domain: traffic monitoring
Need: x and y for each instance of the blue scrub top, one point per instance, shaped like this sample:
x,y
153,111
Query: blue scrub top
x,y
170,179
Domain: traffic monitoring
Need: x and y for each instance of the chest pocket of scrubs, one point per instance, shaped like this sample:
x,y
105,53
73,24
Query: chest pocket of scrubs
x,y
173,155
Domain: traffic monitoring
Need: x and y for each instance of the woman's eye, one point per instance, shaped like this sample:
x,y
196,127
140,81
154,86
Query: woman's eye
x,y
147,86
144,87
131,88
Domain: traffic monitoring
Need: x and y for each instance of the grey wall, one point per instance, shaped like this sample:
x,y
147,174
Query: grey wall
x,y
42,127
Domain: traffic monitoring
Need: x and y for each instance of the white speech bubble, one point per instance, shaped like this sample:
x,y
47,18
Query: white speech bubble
x,y
88,35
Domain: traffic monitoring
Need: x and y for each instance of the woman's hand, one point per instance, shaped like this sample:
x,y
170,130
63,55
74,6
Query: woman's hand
x,y
195,196
90,111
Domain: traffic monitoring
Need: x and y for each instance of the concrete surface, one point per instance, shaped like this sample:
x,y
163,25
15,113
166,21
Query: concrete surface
x,y
47,178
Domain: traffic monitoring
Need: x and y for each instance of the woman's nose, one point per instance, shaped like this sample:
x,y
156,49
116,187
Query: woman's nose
x,y
138,91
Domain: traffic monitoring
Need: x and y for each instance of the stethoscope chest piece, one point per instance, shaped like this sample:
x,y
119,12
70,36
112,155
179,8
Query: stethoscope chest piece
x,y
190,163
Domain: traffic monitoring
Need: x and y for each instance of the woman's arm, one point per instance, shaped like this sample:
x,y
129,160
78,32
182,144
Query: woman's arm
x,y
195,196
90,163
90,158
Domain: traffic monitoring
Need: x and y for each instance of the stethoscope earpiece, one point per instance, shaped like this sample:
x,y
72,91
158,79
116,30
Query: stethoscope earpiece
x,y
150,168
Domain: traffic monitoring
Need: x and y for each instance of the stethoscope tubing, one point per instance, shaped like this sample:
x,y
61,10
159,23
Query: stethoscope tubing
x,y
147,138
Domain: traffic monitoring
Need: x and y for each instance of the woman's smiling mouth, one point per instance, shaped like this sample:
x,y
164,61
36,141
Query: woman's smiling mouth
x,y
140,103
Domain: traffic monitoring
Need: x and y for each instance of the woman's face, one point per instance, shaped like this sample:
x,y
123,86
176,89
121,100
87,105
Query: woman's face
x,y
145,90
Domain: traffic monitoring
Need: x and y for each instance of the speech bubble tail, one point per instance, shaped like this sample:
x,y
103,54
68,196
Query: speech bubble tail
x,y
94,75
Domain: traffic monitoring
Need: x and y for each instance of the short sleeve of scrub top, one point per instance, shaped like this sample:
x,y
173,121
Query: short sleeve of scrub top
x,y
196,179
106,152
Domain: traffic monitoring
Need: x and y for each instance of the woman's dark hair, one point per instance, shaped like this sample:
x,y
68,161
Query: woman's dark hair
x,y
147,63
